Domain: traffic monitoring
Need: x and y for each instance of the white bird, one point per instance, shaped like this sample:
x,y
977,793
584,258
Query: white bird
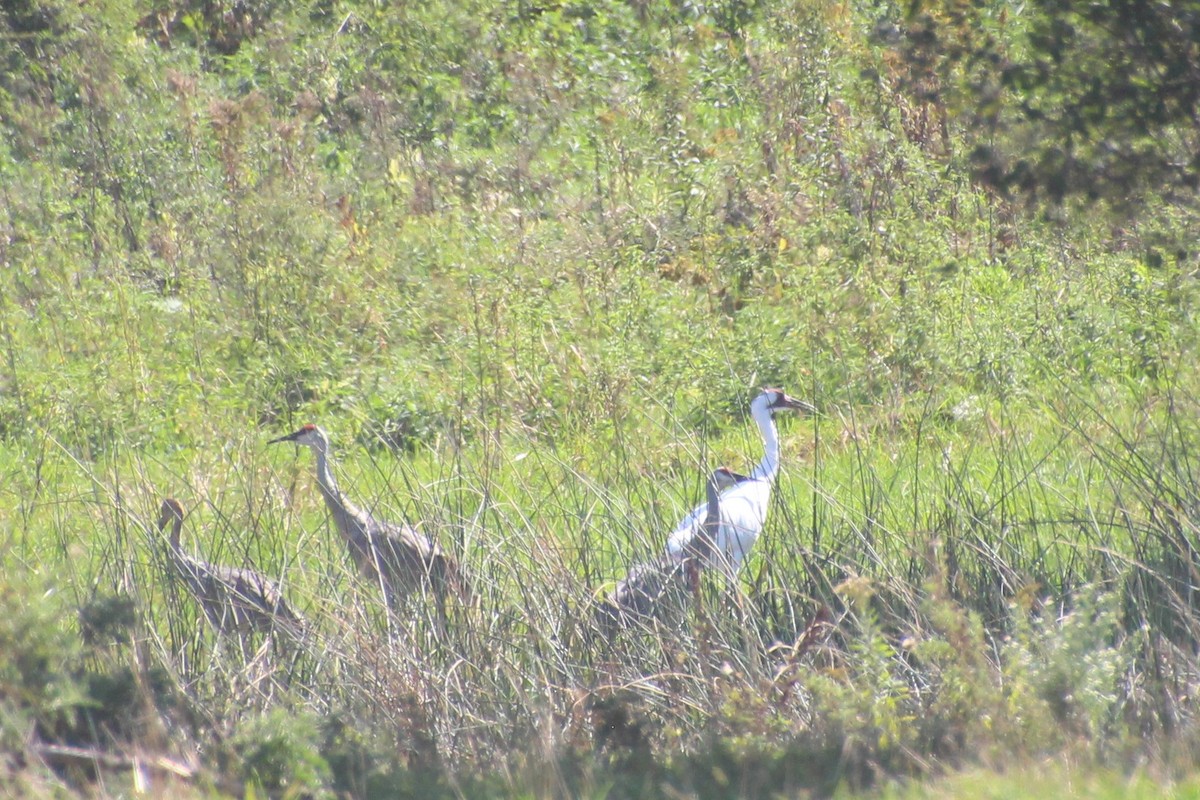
x,y
744,507
396,557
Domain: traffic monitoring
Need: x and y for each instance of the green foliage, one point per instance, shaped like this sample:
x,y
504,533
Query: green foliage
x,y
528,264
1075,665
279,753
39,668
1066,101
65,699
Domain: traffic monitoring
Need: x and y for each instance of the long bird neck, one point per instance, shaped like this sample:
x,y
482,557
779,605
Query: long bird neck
x,y
183,562
325,479
344,513
769,466
176,529
712,517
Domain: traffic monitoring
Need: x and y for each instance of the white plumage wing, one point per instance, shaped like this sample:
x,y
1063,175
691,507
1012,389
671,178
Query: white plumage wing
x,y
743,512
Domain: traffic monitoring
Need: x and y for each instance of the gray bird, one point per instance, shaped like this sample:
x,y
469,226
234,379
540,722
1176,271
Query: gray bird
x,y
396,557
236,600
648,588
699,551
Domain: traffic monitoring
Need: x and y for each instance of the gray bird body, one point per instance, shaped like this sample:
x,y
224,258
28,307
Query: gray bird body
x,y
234,599
396,557
700,550
643,593
651,587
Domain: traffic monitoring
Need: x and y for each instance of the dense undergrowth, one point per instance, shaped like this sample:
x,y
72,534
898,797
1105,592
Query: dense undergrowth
x,y
527,265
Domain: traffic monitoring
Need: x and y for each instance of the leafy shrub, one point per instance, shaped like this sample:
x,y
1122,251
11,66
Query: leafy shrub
x,y
280,753
40,666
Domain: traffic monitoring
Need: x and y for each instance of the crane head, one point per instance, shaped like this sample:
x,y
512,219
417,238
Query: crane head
x,y
724,478
170,510
309,435
775,400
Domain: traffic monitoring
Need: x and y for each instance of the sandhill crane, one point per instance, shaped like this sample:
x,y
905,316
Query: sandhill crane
x,y
699,550
396,557
744,507
235,600
643,592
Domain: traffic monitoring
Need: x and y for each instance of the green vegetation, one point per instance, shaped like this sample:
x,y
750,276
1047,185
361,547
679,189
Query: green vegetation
x,y
528,264
1066,100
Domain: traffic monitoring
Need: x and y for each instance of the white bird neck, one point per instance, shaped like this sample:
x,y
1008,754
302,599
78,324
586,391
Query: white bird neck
x,y
769,466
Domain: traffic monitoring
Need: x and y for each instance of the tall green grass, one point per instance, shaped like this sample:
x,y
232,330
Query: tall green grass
x,y
528,270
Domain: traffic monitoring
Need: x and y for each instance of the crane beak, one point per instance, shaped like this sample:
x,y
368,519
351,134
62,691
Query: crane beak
x,y
786,403
291,437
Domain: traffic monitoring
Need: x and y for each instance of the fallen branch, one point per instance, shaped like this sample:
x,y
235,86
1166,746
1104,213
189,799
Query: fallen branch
x,y
65,754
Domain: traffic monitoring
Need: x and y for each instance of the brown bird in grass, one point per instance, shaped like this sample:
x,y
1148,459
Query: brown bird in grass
x,y
645,591
236,600
699,551
642,596
396,557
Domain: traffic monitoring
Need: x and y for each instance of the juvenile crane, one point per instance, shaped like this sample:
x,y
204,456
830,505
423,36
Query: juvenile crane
x,y
642,594
744,507
235,600
396,557
699,550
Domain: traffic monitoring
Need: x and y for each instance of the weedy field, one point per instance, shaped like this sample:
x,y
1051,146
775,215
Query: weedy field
x,y
528,266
